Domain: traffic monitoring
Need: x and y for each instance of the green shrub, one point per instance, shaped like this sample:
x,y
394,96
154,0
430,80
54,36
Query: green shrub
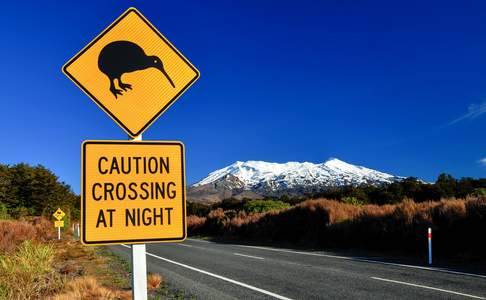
x,y
353,201
258,206
480,192
3,216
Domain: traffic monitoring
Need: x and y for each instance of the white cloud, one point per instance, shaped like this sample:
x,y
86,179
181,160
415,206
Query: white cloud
x,y
473,111
482,161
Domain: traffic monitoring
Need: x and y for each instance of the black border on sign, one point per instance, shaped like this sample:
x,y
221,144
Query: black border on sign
x,y
83,193
85,90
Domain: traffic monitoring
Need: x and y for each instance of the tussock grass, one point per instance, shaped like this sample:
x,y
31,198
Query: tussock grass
x,y
154,281
87,287
27,273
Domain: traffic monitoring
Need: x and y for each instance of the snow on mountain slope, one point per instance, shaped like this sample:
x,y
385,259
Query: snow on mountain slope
x,y
258,175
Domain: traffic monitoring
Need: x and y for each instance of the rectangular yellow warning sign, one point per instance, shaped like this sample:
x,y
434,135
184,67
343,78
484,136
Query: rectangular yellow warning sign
x,y
133,192
58,224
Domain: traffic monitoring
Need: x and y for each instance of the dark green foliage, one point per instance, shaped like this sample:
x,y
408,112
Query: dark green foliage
x,y
446,185
292,200
197,209
26,190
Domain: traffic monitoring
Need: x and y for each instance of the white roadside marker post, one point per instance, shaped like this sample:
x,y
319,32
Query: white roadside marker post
x,y
58,233
139,266
429,237
77,231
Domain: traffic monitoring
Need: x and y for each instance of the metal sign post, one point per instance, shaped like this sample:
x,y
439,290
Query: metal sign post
x,y
139,265
139,272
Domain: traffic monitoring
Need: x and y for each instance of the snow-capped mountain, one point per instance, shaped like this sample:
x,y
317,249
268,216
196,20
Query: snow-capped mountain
x,y
255,179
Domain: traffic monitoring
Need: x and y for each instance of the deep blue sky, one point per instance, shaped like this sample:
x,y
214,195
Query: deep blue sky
x,y
399,87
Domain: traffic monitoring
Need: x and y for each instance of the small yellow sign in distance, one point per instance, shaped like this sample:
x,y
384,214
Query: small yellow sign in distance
x,y
132,72
58,224
58,214
133,192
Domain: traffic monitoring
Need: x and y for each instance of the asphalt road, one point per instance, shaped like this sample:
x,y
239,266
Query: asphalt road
x,y
209,270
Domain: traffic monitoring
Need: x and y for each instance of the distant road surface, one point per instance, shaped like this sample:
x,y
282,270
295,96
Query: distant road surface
x,y
209,270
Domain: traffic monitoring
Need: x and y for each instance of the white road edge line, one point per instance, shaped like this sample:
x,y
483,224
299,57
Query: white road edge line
x,y
184,245
218,276
250,256
428,287
365,260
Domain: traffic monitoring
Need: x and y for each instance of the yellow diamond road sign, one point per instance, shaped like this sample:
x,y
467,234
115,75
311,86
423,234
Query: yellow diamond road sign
x,y
132,192
58,214
132,72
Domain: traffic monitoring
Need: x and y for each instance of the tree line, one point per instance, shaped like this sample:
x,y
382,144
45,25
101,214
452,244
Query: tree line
x,y
34,190
412,188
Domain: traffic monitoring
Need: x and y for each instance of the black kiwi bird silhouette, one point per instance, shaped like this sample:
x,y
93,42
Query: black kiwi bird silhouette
x,y
121,57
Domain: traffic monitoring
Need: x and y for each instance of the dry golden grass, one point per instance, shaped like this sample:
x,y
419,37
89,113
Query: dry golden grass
x,y
87,287
13,233
337,211
154,281
44,228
